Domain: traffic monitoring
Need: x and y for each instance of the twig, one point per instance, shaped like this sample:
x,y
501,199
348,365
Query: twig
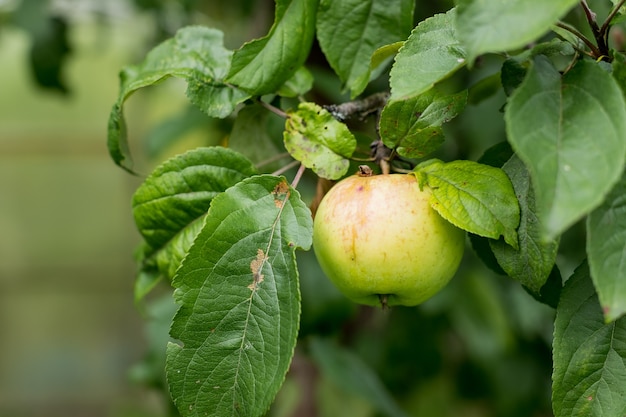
x,y
361,107
596,52
603,50
604,30
274,109
296,179
286,168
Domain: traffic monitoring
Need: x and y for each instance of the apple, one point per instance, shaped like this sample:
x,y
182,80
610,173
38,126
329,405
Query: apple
x,y
378,239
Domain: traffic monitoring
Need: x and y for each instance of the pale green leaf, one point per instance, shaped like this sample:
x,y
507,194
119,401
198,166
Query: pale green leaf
x,y
196,55
263,65
413,126
503,25
432,53
571,134
240,303
606,248
474,197
299,84
532,264
350,31
589,377
314,137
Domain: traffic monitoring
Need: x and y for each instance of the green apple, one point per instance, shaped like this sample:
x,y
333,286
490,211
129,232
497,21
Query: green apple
x,y
378,239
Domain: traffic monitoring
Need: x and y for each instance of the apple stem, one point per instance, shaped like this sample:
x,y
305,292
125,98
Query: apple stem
x,y
383,301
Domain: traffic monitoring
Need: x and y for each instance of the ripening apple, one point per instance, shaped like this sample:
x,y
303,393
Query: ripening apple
x,y
378,239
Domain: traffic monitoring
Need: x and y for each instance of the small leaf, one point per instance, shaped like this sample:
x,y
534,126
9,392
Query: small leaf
x,y
240,302
431,54
570,134
532,263
606,248
414,126
349,372
498,26
314,137
263,65
195,54
474,197
349,31
299,84
378,63
589,377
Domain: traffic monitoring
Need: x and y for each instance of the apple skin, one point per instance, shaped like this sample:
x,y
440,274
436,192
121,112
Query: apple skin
x,y
378,239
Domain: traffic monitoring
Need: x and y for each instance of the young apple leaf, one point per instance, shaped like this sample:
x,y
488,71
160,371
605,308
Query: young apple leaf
x,y
532,263
240,303
263,65
195,54
299,84
474,197
570,134
349,31
589,355
432,53
378,63
413,126
497,26
314,137
606,248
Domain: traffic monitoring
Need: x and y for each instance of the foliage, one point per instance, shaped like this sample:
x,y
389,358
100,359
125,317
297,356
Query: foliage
x,y
223,228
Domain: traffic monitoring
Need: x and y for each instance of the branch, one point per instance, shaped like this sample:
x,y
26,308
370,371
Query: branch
x,y
604,30
594,49
602,48
361,107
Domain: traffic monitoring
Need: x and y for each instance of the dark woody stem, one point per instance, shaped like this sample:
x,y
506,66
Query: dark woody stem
x,y
361,108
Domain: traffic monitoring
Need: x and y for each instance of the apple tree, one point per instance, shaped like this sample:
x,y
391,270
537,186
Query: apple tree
x,y
535,179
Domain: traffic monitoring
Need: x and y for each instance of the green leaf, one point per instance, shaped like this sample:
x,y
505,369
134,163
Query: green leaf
x,y
570,133
589,377
414,126
532,263
349,31
314,137
195,54
498,26
431,54
606,248
240,302
349,372
263,65
474,197
299,84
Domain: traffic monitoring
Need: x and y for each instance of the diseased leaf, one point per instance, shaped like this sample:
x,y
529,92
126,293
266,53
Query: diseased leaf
x,y
195,54
606,249
532,263
570,133
349,31
314,137
413,126
498,26
474,197
589,377
432,53
239,301
263,65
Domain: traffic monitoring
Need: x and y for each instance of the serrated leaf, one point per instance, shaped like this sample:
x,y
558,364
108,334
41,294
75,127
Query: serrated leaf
x,y
314,137
413,126
195,54
474,197
430,54
589,377
570,133
532,263
349,372
263,65
606,249
498,26
349,31
240,302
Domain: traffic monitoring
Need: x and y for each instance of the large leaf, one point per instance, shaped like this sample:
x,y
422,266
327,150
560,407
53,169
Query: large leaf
x,y
349,31
240,301
413,126
532,263
497,25
263,65
571,134
606,248
314,137
474,197
429,55
195,54
589,377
